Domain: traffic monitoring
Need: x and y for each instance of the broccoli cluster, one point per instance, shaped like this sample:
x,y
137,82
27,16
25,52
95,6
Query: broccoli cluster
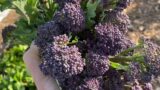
x,y
113,80
134,72
152,57
60,60
62,2
119,19
91,84
71,17
87,49
110,39
97,64
136,86
46,33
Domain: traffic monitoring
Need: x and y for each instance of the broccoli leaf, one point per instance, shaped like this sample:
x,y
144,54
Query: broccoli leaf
x,y
91,11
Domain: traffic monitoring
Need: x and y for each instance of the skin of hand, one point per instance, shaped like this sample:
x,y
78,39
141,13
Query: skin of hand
x,y
32,60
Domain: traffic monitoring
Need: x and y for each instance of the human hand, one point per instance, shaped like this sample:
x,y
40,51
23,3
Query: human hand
x,y
32,61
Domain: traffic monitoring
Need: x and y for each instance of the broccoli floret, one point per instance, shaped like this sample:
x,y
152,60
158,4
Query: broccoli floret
x,y
61,61
71,18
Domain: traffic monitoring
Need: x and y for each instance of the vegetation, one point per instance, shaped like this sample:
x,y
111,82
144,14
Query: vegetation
x,y
13,74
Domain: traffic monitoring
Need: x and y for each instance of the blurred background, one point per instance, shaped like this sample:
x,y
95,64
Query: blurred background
x,y
19,20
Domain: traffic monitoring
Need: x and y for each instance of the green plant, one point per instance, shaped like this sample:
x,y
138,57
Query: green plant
x,y
33,13
13,75
4,4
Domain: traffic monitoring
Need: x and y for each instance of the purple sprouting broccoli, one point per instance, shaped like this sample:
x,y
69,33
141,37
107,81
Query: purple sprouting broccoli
x,y
123,4
134,72
119,19
104,3
113,80
62,2
71,18
95,83
89,68
71,83
46,33
97,63
152,57
147,86
110,39
80,82
61,61
136,85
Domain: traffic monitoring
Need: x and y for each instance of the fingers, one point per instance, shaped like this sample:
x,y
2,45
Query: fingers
x,y
51,84
32,61
33,49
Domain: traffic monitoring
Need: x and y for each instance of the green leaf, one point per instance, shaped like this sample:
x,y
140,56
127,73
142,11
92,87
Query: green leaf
x,y
139,46
138,57
91,11
119,66
74,41
14,70
20,5
2,1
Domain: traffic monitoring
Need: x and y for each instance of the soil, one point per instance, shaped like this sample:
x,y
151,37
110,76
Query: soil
x,y
145,19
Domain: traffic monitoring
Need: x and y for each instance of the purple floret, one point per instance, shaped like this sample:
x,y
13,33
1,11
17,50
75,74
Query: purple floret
x,y
61,61
71,18
152,57
148,86
91,84
97,64
110,39
71,83
134,72
46,33
136,86
113,80
62,2
104,3
119,19
122,4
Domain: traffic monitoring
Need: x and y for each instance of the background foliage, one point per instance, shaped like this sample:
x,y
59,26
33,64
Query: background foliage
x,y
13,74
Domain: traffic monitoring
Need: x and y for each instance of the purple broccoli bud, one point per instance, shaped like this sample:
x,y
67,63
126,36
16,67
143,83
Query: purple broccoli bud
x,y
91,84
110,39
152,57
118,19
122,4
46,33
148,86
62,2
146,77
136,86
134,72
113,80
97,64
60,60
71,18
71,83
104,3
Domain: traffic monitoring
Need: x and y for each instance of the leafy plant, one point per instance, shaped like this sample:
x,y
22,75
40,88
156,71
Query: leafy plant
x,y
13,75
4,4
33,13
